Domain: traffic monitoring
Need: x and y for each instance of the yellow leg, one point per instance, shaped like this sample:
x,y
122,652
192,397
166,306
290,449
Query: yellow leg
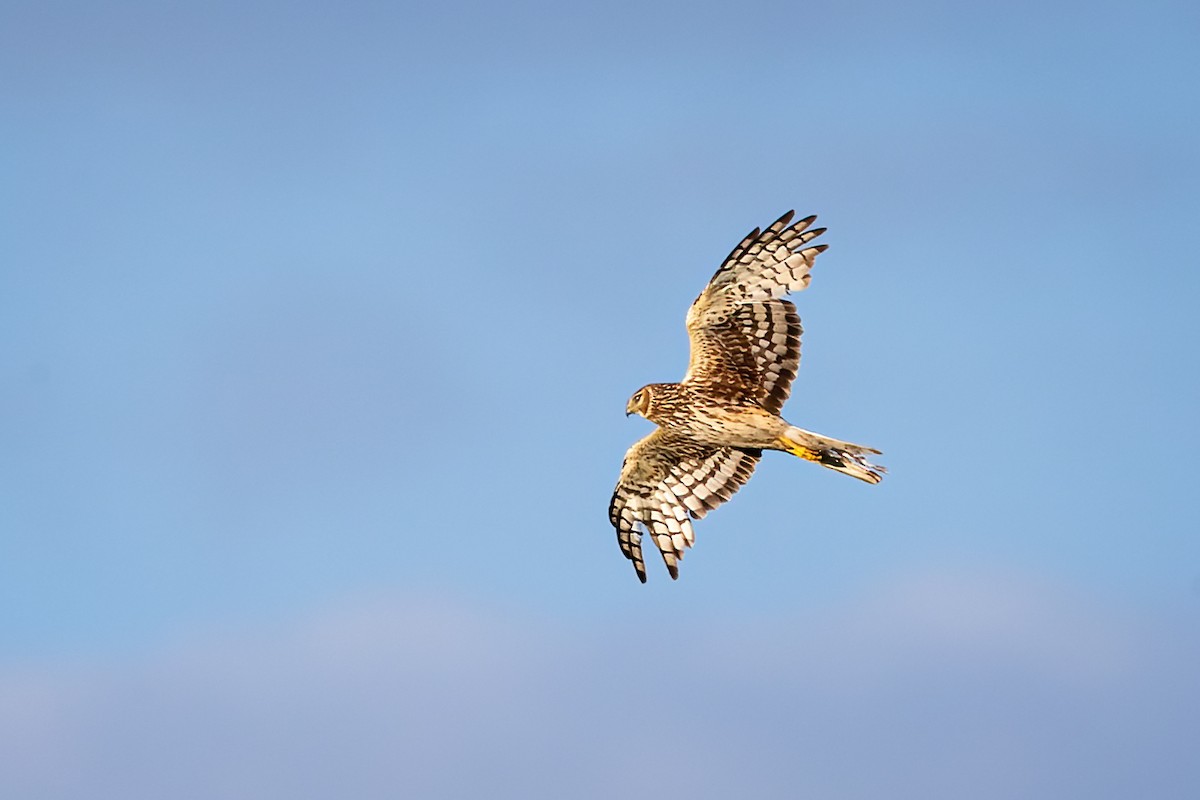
x,y
846,461
798,450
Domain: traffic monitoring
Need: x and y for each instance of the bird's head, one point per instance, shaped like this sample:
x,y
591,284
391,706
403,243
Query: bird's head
x,y
640,402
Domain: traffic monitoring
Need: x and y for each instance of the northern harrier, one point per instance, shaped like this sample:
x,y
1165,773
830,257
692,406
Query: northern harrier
x,y
715,423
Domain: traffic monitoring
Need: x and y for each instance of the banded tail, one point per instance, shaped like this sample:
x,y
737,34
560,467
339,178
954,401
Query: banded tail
x,y
839,456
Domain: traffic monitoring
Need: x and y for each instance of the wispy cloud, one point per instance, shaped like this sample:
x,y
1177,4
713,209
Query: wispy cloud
x,y
942,685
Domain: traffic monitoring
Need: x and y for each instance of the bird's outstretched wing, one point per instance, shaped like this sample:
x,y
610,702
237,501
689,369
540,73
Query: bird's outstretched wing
x,y
666,481
745,339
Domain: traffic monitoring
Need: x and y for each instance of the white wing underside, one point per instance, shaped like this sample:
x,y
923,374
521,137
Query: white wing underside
x,y
665,483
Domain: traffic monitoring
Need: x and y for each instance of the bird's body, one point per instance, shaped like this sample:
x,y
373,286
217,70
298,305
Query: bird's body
x,y
712,418
715,423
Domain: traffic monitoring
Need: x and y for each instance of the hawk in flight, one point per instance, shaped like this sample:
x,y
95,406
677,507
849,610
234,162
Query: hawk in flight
x,y
714,424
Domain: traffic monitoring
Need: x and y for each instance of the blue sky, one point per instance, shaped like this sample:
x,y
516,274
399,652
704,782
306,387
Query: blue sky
x,y
317,323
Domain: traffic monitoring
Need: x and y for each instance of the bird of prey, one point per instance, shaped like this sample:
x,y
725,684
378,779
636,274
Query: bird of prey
x,y
714,424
